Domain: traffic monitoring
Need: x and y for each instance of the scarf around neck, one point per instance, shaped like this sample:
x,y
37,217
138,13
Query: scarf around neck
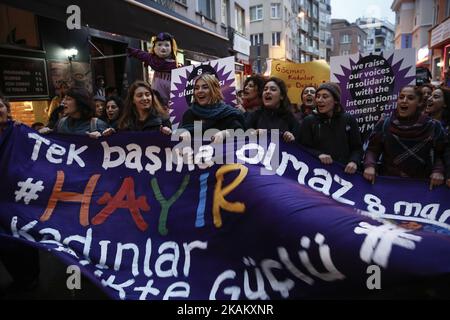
x,y
215,111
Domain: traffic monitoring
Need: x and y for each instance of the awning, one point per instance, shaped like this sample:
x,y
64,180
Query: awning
x,y
138,19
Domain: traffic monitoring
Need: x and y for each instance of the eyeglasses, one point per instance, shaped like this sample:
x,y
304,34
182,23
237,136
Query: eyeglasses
x,y
309,91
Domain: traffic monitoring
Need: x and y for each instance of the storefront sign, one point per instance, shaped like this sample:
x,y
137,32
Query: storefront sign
x,y
23,77
240,44
440,33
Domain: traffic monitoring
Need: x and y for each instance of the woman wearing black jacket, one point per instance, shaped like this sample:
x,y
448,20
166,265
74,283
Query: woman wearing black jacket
x,y
143,111
275,113
332,134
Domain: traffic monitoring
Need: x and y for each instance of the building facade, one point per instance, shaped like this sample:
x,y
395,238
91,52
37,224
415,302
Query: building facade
x,y
325,29
273,32
348,38
309,30
34,37
413,19
439,36
380,34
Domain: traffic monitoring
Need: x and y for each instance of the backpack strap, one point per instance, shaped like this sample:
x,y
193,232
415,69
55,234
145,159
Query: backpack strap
x,y
385,127
60,123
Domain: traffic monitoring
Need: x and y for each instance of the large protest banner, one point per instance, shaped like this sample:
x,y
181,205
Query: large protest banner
x,y
299,75
370,83
182,86
144,227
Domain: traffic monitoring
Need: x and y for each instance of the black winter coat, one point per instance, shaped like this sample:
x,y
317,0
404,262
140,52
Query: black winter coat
x,y
272,119
337,136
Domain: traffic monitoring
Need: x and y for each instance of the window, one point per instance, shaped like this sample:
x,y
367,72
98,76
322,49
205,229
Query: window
x,y
257,39
345,52
256,13
276,37
345,38
315,12
206,8
239,15
275,11
406,41
224,12
183,2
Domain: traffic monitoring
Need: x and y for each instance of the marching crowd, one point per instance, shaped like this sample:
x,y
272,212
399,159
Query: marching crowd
x,y
411,142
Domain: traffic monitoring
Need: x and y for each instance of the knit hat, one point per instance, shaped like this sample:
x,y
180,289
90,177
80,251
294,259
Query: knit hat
x,y
333,88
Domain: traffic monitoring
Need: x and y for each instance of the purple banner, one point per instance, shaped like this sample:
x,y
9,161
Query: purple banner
x,y
143,226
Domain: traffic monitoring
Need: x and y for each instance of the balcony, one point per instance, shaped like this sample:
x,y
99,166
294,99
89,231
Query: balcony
x,y
380,33
304,26
308,49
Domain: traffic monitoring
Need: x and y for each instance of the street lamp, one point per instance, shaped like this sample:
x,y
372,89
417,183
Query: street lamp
x,y
71,53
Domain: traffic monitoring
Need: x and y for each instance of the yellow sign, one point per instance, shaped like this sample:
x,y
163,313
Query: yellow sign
x,y
299,75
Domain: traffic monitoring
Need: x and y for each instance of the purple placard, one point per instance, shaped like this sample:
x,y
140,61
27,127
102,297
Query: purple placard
x,y
370,83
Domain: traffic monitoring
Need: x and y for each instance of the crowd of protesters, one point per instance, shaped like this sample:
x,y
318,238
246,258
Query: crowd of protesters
x,y
411,142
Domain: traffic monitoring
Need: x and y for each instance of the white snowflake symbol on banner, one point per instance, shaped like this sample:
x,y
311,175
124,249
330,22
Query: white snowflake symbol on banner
x,y
379,240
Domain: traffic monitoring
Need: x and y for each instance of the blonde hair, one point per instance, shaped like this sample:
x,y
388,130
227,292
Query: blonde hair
x,y
214,86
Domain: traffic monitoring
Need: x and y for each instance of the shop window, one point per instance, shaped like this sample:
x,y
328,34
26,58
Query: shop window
x,y
29,112
18,27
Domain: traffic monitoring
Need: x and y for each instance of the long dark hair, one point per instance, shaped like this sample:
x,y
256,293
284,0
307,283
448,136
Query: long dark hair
x,y
130,114
85,104
446,109
285,103
119,104
258,81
